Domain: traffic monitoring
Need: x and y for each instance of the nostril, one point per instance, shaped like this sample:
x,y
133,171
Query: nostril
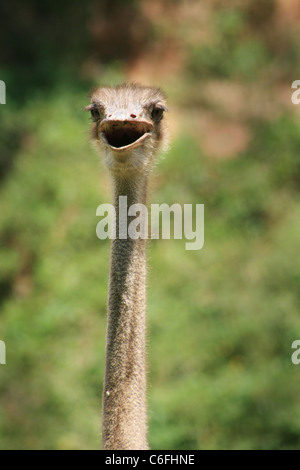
x,y
133,116
110,116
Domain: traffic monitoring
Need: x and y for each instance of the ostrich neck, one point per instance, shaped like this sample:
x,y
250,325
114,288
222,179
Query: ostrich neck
x,y
124,407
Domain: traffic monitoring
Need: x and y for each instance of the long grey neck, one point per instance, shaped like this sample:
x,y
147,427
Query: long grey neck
x,y
124,405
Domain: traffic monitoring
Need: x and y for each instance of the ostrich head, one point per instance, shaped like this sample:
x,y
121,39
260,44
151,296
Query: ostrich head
x,y
128,126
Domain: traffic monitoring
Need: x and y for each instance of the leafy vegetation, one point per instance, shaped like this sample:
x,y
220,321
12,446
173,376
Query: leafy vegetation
x,y
221,321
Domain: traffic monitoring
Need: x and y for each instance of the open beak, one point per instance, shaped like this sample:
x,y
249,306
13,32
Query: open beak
x,y
122,135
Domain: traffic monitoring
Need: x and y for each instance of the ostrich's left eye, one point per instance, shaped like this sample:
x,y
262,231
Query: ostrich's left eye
x,y
95,114
157,113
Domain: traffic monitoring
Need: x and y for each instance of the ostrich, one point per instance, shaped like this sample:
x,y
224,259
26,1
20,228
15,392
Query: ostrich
x,y
129,130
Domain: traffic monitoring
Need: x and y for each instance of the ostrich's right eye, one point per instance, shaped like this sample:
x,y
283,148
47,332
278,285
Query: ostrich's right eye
x,y
95,114
157,113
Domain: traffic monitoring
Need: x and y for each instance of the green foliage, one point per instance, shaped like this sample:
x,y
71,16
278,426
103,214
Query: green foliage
x,y
221,321
233,53
231,310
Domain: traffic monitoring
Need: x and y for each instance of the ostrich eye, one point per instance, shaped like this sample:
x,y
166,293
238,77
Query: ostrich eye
x,y
95,114
157,113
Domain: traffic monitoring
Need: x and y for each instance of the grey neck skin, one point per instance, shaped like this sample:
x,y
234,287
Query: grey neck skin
x,y
124,398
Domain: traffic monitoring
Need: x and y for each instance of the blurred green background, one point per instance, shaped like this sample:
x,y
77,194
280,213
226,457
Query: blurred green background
x,y
221,321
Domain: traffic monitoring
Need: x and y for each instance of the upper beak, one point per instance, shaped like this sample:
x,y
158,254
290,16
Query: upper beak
x,y
122,133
